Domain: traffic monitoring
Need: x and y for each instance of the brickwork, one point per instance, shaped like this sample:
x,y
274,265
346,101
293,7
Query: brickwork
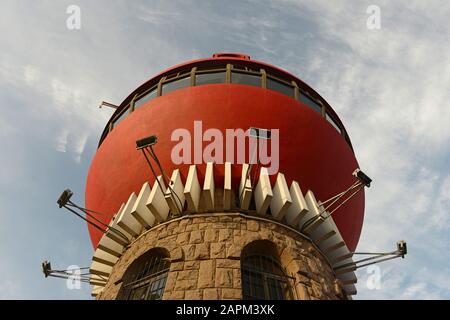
x,y
205,258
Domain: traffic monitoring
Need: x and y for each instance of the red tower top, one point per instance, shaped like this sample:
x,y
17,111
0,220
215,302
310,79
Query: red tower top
x,y
227,91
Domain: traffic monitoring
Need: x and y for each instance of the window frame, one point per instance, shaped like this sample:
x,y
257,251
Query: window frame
x,y
270,77
265,276
147,275
251,73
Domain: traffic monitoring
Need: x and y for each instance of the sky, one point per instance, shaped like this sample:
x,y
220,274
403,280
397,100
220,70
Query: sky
x,y
390,86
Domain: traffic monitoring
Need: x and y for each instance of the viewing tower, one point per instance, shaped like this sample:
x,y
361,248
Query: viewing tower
x,y
219,225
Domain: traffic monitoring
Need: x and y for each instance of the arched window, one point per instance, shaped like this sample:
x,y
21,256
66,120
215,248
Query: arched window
x,y
146,277
263,278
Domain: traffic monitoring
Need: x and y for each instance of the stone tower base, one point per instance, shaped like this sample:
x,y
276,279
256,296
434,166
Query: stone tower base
x,y
205,252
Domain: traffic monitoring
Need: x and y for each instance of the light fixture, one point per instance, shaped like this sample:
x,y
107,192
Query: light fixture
x,y
146,146
362,177
375,257
64,198
332,204
65,202
146,142
82,275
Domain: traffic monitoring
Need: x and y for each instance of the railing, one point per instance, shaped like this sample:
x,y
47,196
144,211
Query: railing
x,y
234,74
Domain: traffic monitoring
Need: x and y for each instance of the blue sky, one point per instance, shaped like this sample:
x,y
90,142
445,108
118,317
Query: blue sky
x,y
389,87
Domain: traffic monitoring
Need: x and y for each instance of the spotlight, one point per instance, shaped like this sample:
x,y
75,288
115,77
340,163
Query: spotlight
x,y
401,248
260,133
365,180
64,198
46,268
146,142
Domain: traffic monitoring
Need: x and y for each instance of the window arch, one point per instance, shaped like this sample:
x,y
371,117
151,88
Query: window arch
x,y
145,278
263,277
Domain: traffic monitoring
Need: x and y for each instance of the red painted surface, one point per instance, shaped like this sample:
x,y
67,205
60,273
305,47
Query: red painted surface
x,y
311,151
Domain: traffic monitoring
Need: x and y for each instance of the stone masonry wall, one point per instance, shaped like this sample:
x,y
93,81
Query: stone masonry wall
x,y
205,258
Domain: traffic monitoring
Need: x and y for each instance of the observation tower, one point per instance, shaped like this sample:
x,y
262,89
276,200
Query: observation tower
x,y
224,178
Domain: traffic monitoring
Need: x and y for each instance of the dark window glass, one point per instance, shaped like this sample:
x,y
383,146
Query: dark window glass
x,y
209,78
310,103
334,124
175,85
143,100
264,279
280,87
146,279
119,119
244,78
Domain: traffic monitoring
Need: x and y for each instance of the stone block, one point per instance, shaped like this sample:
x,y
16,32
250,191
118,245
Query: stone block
x,y
196,236
217,250
193,295
211,235
201,251
224,278
206,274
231,294
211,294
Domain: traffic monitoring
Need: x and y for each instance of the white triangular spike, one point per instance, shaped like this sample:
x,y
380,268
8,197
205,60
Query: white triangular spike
x,y
140,211
156,202
96,280
209,187
350,289
104,257
348,278
334,246
245,187
110,246
175,193
192,190
227,186
100,269
281,200
122,237
312,219
96,290
126,221
263,192
325,234
298,209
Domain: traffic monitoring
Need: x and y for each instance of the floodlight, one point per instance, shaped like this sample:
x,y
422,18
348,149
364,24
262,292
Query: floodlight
x,y
365,180
46,268
146,142
401,248
260,133
64,198
145,145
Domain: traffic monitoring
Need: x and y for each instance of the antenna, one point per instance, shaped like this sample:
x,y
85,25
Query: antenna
x,y
107,104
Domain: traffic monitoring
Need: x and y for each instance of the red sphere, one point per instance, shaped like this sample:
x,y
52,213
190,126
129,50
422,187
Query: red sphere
x,y
311,150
